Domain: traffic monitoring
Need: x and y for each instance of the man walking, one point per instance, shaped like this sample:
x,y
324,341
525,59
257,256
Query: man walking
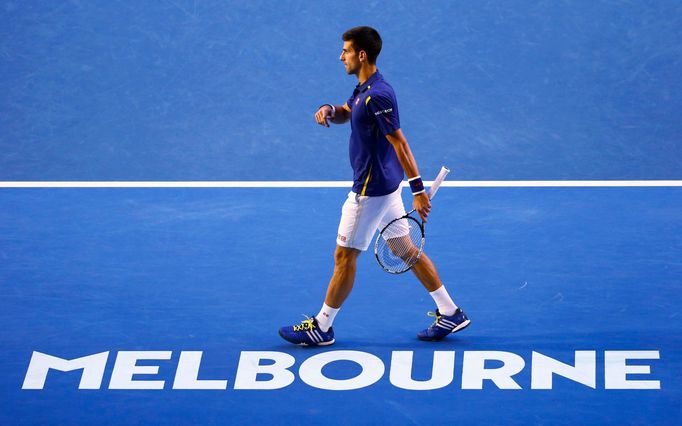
x,y
380,157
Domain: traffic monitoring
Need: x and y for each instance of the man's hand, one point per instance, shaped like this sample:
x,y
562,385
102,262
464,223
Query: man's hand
x,y
422,204
322,115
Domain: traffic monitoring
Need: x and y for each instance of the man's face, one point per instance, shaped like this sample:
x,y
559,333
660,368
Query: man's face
x,y
350,58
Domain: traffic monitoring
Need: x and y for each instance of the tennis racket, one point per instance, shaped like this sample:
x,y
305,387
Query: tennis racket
x,y
400,243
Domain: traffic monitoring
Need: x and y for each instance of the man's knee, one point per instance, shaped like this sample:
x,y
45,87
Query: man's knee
x,y
345,256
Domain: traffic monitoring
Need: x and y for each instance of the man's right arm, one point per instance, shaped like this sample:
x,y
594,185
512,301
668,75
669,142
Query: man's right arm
x,y
341,115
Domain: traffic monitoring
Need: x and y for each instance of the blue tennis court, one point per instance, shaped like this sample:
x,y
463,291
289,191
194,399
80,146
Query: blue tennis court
x,y
551,270
167,202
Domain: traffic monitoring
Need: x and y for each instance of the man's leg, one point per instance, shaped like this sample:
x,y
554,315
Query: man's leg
x,y
317,330
424,269
359,219
449,318
427,274
341,283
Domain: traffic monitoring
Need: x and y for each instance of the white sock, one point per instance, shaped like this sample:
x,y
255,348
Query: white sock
x,y
445,304
325,318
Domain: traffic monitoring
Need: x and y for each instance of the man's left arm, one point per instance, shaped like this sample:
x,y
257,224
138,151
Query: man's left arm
x,y
421,201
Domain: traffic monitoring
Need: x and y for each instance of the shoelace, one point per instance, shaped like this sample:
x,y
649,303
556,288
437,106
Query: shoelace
x,y
306,324
434,314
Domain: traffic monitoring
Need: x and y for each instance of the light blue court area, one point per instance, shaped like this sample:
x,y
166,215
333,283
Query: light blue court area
x,y
586,273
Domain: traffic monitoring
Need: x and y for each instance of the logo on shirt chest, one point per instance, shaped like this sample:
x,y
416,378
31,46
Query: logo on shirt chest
x,y
385,111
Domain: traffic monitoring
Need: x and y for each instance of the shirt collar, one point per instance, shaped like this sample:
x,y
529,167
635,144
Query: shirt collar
x,y
372,78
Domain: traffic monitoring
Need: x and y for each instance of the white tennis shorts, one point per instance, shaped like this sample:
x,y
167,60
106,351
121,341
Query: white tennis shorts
x,y
361,216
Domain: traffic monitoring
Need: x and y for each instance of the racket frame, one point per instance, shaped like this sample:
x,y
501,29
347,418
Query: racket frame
x,y
420,224
432,193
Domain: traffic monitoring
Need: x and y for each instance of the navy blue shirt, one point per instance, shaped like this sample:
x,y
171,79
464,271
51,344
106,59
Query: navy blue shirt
x,y
374,114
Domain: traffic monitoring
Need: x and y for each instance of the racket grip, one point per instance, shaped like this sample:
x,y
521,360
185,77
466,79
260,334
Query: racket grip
x,y
437,181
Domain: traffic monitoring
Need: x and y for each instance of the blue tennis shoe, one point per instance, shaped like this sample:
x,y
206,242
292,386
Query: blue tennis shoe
x,y
444,325
307,333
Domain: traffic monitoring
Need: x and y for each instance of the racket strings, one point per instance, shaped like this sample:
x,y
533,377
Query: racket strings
x,y
400,245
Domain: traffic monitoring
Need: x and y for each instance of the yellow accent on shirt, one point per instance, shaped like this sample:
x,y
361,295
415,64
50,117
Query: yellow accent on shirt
x,y
369,174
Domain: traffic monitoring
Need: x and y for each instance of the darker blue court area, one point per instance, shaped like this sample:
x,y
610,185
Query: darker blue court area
x,y
552,270
226,90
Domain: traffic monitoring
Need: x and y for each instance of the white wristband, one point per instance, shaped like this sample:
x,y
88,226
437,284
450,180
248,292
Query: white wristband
x,y
333,109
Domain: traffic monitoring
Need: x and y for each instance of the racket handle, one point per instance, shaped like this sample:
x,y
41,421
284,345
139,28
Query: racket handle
x,y
437,181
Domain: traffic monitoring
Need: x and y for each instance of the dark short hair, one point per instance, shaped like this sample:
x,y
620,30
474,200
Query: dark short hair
x,y
365,38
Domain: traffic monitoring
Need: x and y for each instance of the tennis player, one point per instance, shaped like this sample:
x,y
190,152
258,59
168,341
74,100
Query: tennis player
x,y
380,157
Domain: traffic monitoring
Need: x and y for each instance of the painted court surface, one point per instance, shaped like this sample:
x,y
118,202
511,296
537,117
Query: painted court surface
x,y
188,91
552,270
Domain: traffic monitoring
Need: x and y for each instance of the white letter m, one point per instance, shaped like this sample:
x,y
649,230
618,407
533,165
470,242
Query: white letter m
x,y
92,365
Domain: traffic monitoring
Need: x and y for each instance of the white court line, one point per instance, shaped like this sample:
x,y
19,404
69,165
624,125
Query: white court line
x,y
339,184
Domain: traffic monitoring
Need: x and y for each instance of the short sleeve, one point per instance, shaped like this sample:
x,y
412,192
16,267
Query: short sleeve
x,y
350,100
385,113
